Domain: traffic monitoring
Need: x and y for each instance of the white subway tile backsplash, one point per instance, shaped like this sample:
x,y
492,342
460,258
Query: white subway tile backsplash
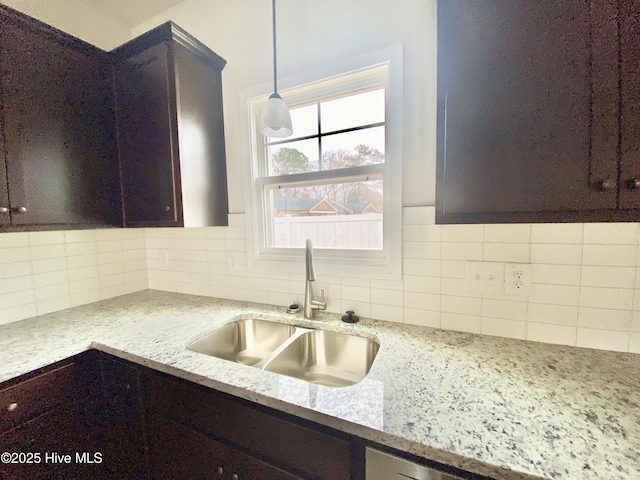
x,y
359,294
14,254
462,251
419,215
462,305
430,250
602,339
553,314
604,319
424,318
414,283
422,301
13,240
456,287
462,233
556,254
547,333
610,255
453,268
611,233
555,294
461,323
612,277
584,277
504,309
612,298
387,297
422,233
389,313
501,327
506,252
427,268
556,274
513,233
557,233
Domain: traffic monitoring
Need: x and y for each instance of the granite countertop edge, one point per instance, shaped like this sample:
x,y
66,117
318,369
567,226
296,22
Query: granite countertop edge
x,y
492,406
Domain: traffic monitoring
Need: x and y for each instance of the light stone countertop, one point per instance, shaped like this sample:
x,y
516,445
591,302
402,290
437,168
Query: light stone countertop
x,y
508,409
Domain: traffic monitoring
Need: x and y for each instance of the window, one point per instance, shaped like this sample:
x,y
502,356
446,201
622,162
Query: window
x,y
337,179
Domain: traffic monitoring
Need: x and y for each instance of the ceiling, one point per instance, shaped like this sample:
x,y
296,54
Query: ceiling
x,y
132,12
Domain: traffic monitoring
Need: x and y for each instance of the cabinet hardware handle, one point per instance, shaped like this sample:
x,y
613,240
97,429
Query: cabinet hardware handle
x,y
167,208
4,210
235,477
12,407
633,184
220,471
606,185
20,209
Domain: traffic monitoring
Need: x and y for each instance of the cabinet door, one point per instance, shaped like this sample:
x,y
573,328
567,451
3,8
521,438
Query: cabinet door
x,y
5,217
630,103
147,138
177,452
123,419
527,110
245,467
59,129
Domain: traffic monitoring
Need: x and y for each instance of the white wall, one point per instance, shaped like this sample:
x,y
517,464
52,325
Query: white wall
x,y
77,18
311,34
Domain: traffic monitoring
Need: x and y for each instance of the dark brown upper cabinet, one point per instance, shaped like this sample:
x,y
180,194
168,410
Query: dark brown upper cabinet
x,y
170,130
538,111
59,158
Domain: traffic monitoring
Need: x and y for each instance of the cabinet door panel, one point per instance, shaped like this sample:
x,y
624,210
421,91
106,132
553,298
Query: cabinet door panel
x,y
5,217
148,137
59,130
630,96
178,453
516,91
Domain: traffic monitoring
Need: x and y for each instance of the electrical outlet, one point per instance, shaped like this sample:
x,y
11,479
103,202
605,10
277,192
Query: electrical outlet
x,y
164,258
485,277
518,279
233,262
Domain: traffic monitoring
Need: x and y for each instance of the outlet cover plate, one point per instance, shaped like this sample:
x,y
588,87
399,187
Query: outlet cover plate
x,y
485,277
517,279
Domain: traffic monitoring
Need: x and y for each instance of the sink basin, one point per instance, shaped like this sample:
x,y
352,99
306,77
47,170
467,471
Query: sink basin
x,y
327,358
245,341
317,356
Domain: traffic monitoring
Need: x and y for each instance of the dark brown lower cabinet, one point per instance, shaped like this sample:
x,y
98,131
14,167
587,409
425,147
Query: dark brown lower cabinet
x,y
48,423
178,452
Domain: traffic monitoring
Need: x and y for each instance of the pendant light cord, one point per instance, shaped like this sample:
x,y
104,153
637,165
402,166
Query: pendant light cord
x,y
275,58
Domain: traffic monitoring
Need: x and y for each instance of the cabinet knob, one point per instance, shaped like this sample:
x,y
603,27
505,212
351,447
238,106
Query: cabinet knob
x,y
220,471
633,184
606,185
4,210
20,210
12,407
235,477
167,208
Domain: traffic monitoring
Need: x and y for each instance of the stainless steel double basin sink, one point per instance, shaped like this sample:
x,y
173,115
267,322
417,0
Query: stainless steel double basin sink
x,y
317,356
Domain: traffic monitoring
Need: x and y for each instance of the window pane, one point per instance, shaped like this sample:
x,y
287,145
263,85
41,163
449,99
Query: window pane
x,y
293,157
360,147
304,120
353,111
335,216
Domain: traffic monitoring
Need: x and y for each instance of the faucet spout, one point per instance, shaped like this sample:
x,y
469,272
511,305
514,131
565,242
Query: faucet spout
x,y
311,271
311,306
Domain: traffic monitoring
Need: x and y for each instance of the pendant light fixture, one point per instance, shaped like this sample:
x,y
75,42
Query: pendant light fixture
x,y
275,119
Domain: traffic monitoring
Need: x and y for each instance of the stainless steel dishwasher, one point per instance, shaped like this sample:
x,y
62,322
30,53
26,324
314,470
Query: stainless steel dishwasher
x,y
382,466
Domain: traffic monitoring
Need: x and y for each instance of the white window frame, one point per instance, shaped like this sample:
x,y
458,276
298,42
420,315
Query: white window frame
x,y
385,263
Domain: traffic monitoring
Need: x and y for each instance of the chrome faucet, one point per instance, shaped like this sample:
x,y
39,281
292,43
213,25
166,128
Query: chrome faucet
x,y
311,305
